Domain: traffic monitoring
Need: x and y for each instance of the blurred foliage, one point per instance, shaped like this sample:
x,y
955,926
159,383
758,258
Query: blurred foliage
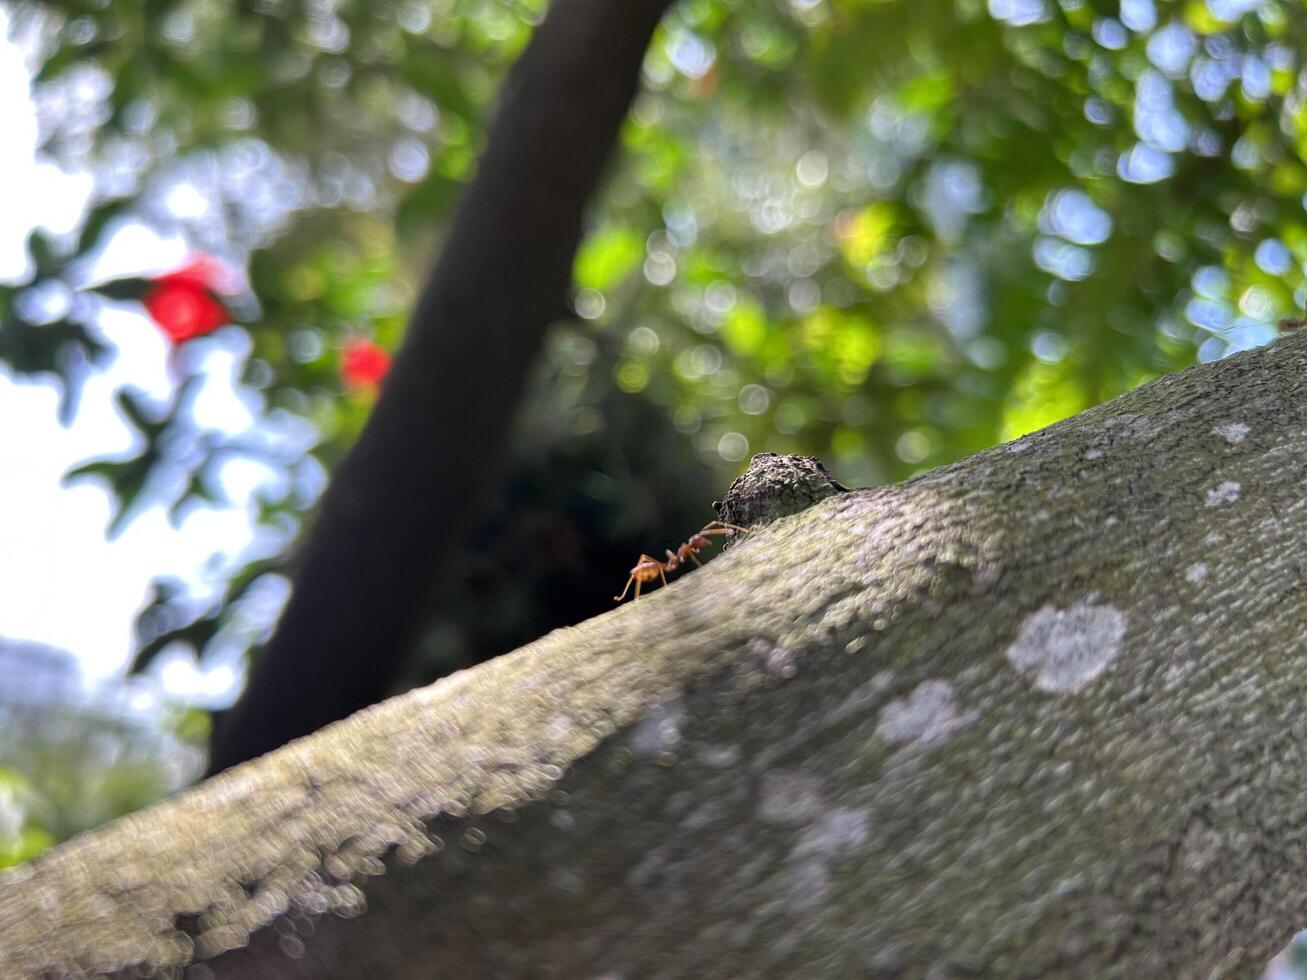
x,y
69,766
22,834
888,234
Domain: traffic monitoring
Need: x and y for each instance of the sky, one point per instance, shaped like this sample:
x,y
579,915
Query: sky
x,y
61,582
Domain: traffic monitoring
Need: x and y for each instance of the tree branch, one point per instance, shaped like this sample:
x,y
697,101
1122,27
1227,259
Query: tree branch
x,y
1036,713
401,501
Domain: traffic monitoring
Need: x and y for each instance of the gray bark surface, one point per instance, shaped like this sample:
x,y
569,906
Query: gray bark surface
x,y
1036,713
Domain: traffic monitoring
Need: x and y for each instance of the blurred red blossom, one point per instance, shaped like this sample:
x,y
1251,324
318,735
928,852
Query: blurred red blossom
x,y
202,272
183,303
364,363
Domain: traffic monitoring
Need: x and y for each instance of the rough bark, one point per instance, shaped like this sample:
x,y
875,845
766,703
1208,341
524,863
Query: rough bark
x,y
401,502
1036,713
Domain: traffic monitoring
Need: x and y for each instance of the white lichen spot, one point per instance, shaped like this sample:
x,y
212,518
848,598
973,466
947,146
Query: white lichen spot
x,y
1019,446
1195,573
559,726
929,714
718,756
839,829
1233,432
805,883
1065,649
660,730
808,876
1224,493
775,659
1093,453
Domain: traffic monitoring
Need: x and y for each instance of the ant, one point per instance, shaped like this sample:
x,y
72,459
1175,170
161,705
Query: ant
x,y
648,566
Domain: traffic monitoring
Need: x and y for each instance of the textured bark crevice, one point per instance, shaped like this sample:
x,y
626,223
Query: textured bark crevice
x,y
398,507
1034,713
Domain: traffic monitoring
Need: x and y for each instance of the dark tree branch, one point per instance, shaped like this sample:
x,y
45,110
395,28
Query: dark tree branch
x,y
402,500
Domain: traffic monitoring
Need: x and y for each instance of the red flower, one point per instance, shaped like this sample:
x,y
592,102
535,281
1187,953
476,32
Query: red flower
x,y
183,302
202,272
364,363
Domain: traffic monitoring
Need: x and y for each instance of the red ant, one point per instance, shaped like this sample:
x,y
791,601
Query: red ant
x,y
649,567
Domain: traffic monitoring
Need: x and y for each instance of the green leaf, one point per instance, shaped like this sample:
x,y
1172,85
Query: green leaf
x,y
1044,394
28,838
123,289
607,256
198,488
97,220
193,725
427,202
430,70
43,253
66,57
127,480
140,413
30,348
27,844
196,635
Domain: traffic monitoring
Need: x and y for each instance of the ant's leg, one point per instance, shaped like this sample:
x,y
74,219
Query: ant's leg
x,y
694,557
722,527
638,583
619,598
708,532
662,575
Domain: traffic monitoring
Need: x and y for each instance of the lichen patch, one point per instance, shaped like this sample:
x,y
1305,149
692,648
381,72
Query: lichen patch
x,y
837,830
929,714
660,729
1195,573
1062,650
718,756
1224,494
1233,432
808,875
805,883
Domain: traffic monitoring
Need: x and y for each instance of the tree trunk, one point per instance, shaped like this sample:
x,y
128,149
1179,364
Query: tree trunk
x,y
399,506
1035,713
